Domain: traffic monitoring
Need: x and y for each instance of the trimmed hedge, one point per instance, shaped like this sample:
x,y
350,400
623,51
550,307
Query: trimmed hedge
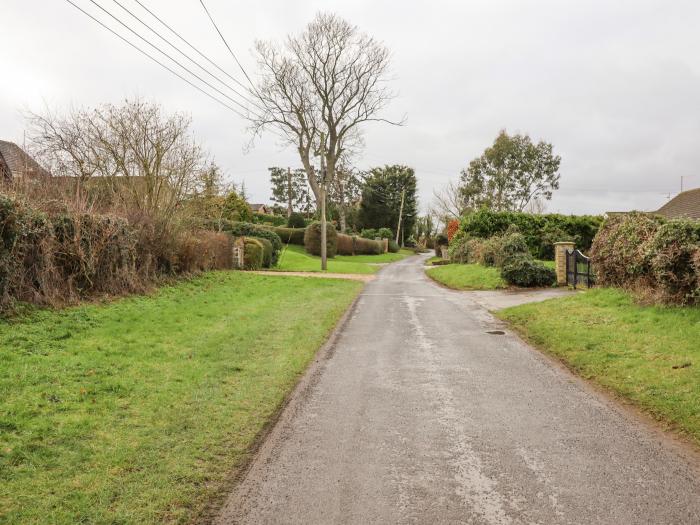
x,y
524,271
312,239
290,235
267,252
346,244
253,253
657,258
247,229
540,231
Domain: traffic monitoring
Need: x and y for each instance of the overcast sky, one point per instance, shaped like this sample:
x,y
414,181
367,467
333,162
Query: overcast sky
x,y
613,85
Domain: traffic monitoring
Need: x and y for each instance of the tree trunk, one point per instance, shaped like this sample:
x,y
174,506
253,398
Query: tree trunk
x,y
289,192
324,248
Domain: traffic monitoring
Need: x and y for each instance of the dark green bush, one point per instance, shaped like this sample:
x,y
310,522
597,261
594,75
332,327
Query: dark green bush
x,y
312,239
296,220
540,231
524,271
369,233
247,229
290,235
253,254
393,246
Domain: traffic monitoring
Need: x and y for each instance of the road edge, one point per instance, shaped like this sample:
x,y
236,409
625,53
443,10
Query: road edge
x,y
225,497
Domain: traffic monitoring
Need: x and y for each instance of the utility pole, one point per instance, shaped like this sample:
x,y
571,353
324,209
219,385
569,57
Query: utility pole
x,y
322,191
398,227
289,192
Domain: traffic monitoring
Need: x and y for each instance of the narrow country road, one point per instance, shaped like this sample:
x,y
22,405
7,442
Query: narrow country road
x,y
419,415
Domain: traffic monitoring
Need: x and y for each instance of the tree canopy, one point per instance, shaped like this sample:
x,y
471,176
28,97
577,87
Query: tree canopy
x,y
510,174
381,199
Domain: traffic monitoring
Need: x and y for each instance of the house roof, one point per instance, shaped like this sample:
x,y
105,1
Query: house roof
x,y
18,161
684,205
5,172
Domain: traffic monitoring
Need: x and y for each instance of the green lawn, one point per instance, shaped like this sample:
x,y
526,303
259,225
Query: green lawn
x,y
650,355
295,259
136,411
467,276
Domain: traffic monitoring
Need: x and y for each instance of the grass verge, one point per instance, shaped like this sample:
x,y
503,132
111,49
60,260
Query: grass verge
x,y
467,276
649,355
295,259
137,411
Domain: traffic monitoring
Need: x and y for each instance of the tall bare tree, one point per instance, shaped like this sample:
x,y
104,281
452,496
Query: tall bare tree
x,y
316,91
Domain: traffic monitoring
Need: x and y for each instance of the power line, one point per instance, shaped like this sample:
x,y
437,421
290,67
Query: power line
x,y
179,50
106,11
196,50
226,44
155,59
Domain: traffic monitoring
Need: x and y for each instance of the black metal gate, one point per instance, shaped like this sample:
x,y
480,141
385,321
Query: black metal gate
x,y
578,269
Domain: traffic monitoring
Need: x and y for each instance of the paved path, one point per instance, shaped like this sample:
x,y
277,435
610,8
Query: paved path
x,y
418,415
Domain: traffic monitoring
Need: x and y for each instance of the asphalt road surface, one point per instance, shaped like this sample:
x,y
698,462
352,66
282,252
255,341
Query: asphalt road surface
x,y
418,415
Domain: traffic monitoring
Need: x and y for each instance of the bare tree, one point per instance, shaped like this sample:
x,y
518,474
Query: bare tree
x,y
316,91
448,203
138,159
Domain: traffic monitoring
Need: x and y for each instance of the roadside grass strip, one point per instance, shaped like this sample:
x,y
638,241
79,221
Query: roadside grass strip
x,y
138,410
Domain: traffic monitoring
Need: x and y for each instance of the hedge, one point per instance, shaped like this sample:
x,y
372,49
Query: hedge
x,y
290,235
657,258
540,231
54,259
267,252
253,253
247,229
312,239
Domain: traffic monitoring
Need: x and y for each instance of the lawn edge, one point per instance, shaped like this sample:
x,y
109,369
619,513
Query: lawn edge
x,y
661,428
219,500
448,287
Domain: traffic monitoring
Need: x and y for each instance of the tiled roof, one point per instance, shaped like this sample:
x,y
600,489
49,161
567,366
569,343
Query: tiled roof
x,y
5,173
18,161
684,205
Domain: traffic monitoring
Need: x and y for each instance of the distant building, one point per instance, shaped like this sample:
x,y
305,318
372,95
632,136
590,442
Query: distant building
x,y
261,208
16,164
685,205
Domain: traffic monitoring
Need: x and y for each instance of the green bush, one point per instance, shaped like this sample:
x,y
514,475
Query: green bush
x,y
253,254
369,233
393,246
247,229
524,271
540,231
619,250
272,220
312,239
656,258
267,252
384,233
296,220
290,235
